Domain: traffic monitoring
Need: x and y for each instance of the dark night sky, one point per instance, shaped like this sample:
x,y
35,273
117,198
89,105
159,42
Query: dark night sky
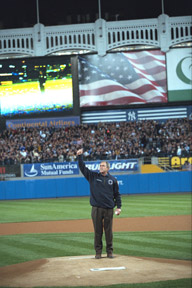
x,y
22,13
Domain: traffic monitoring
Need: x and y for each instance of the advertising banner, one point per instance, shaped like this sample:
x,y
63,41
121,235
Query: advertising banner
x,y
50,169
43,122
184,163
72,168
10,171
129,115
179,74
116,165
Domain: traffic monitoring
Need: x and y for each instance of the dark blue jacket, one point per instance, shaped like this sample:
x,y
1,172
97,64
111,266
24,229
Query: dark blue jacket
x,y
104,189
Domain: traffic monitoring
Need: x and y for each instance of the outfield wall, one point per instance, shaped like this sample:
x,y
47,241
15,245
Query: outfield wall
x,y
168,182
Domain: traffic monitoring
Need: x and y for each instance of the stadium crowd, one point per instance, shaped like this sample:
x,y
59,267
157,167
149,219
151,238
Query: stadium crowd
x,y
100,141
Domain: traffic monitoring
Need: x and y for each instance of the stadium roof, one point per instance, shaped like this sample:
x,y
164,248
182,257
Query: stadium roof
x,y
22,13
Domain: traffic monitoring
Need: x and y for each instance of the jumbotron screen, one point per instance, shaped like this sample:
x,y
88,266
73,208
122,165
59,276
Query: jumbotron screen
x,y
34,86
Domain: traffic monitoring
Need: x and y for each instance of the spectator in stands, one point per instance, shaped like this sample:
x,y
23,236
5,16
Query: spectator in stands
x,y
100,141
187,166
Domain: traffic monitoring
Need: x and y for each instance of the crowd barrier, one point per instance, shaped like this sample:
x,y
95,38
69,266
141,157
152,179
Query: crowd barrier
x,y
173,182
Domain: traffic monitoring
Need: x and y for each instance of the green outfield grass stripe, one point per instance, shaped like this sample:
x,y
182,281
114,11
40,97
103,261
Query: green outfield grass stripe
x,y
173,233
179,283
26,247
156,204
64,243
52,243
156,240
79,208
39,252
150,203
175,239
152,213
148,246
147,252
142,205
156,246
158,198
162,236
23,254
139,246
160,240
45,244
44,236
10,258
78,241
21,246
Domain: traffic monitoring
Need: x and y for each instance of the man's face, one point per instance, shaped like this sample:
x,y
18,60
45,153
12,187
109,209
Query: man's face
x,y
103,168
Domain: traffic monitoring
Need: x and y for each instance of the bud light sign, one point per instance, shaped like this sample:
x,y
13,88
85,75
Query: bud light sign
x,y
116,165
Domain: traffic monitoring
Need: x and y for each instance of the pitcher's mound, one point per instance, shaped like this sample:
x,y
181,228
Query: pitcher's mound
x,y
86,270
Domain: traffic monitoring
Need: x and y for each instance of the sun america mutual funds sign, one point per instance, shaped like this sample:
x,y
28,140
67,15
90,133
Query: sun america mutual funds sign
x,y
50,169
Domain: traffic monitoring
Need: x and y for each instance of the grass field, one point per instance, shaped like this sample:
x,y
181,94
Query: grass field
x,y
161,244
79,208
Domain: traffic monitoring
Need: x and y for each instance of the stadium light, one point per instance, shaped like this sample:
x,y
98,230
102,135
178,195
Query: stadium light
x,y
162,6
37,8
99,4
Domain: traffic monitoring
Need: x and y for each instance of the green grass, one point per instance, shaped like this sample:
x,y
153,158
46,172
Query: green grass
x,y
79,208
161,244
26,247
181,283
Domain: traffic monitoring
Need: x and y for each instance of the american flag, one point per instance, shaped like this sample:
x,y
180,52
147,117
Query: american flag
x,y
122,78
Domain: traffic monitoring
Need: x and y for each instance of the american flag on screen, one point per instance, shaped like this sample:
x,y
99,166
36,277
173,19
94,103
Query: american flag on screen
x,y
122,78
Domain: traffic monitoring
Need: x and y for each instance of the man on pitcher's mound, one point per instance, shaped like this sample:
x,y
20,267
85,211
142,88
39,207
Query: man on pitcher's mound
x,y
104,196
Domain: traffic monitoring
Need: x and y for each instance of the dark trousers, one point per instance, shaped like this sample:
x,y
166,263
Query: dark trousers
x,y
102,219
